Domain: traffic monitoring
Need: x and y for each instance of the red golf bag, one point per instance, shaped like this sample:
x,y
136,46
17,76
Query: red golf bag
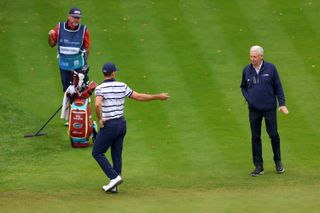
x,y
81,126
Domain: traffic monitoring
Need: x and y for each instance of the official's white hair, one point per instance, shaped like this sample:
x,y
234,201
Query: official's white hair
x,y
257,49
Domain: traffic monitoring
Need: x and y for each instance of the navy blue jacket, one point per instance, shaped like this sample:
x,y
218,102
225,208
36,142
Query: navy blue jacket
x,y
261,91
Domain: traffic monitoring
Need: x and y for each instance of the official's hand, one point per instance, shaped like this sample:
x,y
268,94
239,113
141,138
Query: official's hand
x,y
163,96
284,110
101,123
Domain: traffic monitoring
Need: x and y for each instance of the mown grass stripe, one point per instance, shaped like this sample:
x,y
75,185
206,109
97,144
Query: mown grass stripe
x,y
208,109
46,175
162,134
221,41
298,32
140,149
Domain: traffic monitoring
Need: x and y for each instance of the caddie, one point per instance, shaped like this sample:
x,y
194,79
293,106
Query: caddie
x,y
73,46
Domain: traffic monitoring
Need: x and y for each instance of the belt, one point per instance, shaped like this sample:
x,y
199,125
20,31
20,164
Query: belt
x,y
114,120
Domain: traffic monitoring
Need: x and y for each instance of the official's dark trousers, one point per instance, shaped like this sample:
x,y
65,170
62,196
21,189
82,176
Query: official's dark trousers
x,y
111,135
270,117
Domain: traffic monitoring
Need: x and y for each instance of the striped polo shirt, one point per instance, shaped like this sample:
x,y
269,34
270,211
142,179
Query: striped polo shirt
x,y
114,94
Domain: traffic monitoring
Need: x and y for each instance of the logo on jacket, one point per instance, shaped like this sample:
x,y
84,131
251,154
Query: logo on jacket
x,y
265,74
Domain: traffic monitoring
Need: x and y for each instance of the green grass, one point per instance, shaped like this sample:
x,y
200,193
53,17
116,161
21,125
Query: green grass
x,y
189,154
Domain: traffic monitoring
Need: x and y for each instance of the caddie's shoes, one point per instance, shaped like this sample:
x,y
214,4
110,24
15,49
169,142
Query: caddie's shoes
x,y
279,167
113,182
257,172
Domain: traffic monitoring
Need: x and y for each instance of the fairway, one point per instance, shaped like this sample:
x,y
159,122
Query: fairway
x,y
191,153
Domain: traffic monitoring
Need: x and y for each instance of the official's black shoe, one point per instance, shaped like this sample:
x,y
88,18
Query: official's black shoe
x,y
257,172
279,167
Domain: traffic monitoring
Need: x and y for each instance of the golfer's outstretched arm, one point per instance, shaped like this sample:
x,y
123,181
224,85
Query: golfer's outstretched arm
x,y
149,97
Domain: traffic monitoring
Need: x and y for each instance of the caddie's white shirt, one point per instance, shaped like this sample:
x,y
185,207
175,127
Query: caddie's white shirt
x,y
114,94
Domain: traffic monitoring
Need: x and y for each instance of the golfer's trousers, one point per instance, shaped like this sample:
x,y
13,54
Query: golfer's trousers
x,y
270,117
111,135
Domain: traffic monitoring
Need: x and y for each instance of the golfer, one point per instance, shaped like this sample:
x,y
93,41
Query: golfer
x,y
261,87
73,46
109,106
